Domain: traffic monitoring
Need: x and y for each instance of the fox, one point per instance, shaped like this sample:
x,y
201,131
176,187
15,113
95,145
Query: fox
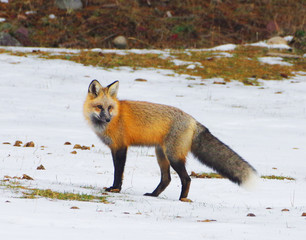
x,y
120,124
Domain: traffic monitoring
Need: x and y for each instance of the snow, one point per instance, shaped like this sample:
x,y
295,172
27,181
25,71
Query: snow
x,y
41,101
288,38
264,44
274,60
52,16
30,12
225,47
2,19
223,54
275,46
190,65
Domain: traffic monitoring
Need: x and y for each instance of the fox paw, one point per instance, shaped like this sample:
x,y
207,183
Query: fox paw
x,y
112,189
185,200
150,194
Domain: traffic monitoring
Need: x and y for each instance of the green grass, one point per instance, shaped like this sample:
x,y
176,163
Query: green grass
x,y
31,193
205,175
216,175
274,177
48,193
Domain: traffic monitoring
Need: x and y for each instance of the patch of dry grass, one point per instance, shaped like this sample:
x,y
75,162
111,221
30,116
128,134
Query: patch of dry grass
x,y
31,193
242,64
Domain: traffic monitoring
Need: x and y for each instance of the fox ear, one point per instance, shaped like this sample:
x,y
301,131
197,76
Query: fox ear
x,y
113,89
94,88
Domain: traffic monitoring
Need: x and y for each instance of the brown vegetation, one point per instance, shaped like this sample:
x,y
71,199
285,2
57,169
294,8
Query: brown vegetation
x,y
154,24
242,64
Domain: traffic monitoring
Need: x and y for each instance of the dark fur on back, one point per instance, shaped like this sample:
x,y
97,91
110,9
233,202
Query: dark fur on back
x,y
215,154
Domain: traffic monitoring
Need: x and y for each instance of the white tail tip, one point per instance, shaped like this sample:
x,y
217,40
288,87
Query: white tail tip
x,y
251,182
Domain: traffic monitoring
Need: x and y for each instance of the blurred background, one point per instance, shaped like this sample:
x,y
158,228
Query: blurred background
x,y
148,23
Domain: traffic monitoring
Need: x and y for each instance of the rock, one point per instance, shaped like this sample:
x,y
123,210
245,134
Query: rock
x,y
276,40
22,34
140,80
219,82
26,177
251,215
120,42
41,167
207,220
29,144
285,210
18,143
78,146
74,207
7,40
69,4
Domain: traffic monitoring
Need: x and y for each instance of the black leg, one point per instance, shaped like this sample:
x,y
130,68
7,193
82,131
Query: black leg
x,y
119,158
165,172
179,167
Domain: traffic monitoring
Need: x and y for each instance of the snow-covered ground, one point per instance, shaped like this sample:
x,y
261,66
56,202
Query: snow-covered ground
x,y
41,101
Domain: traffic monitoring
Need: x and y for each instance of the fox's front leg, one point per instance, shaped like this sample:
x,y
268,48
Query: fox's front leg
x,y
119,158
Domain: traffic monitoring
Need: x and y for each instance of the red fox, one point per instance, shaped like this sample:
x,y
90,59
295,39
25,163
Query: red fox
x,y
173,133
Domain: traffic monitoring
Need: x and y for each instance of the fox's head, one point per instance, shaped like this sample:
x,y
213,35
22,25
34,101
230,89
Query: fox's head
x,y
101,104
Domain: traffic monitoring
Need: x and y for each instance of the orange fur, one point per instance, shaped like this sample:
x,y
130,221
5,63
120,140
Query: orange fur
x,y
131,127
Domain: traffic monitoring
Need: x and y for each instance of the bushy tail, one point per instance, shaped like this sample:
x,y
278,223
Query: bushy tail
x,y
215,154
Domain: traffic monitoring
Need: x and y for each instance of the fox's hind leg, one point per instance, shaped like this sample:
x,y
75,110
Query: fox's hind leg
x,y
164,165
179,167
176,153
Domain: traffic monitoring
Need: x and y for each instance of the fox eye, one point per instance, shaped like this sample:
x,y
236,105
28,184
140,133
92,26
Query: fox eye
x,y
100,107
110,108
